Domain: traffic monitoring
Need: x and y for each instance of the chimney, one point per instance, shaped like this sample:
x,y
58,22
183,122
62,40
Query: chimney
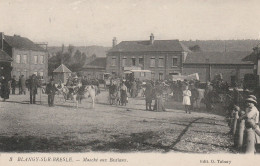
x,y
2,37
114,42
151,38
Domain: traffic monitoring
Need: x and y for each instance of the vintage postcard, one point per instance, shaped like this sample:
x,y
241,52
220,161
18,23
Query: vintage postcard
x,y
129,82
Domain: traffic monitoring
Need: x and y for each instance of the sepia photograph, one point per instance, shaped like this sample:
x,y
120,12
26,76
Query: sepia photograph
x,y
129,82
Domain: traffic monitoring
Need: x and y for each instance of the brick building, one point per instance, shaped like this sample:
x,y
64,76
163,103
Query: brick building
x,y
28,57
162,57
208,64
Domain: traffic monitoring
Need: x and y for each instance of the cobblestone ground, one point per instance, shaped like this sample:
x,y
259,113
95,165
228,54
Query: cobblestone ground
x,y
106,128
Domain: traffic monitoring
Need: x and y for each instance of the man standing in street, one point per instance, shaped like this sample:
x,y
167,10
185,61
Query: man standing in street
x,y
33,85
50,90
23,85
13,85
208,95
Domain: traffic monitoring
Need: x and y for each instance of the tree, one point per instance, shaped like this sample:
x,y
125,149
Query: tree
x,y
79,60
70,49
195,48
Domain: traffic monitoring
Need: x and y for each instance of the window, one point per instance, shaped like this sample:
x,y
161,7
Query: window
x,y
113,63
18,58
174,61
124,62
133,62
141,62
35,59
152,62
160,76
153,75
24,59
161,62
142,74
41,60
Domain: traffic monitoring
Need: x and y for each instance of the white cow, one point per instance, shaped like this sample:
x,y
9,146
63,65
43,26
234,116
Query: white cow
x,y
78,93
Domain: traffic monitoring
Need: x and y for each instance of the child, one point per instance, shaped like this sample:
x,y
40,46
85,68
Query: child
x,y
186,99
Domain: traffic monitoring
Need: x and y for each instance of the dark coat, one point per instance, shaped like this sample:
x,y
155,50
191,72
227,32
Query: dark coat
x,y
13,82
149,94
5,91
51,89
33,85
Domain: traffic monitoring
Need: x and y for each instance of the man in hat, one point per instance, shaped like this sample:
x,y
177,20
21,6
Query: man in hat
x,y
13,84
50,90
33,85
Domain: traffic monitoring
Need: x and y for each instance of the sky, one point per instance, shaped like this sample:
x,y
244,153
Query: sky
x,y
96,22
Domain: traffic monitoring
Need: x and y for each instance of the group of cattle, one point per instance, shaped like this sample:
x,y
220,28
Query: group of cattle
x,y
77,93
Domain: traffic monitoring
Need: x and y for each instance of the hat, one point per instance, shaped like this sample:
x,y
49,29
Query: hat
x,y
246,90
250,100
252,97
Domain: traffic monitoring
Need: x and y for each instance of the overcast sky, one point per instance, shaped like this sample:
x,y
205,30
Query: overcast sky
x,y
96,22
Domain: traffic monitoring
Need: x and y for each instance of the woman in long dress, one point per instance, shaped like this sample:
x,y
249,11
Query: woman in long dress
x,y
186,99
5,90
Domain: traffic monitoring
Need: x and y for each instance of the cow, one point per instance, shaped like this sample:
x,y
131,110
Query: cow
x,y
79,92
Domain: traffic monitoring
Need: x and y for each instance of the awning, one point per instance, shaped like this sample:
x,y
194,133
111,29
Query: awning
x,y
127,72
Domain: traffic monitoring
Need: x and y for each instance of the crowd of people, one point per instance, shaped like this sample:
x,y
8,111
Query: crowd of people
x,y
154,92
9,87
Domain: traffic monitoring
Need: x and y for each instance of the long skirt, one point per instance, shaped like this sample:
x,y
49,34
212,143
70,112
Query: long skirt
x,y
123,97
5,91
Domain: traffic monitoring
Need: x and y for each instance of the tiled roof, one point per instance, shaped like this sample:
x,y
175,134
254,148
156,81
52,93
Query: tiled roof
x,y
217,58
97,63
252,57
4,57
141,46
22,43
62,69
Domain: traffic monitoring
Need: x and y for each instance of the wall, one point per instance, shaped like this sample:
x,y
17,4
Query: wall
x,y
93,73
29,67
165,70
227,71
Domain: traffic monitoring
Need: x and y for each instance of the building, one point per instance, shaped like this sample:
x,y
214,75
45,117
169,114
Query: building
x,y
28,58
94,69
61,73
162,57
208,64
5,64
